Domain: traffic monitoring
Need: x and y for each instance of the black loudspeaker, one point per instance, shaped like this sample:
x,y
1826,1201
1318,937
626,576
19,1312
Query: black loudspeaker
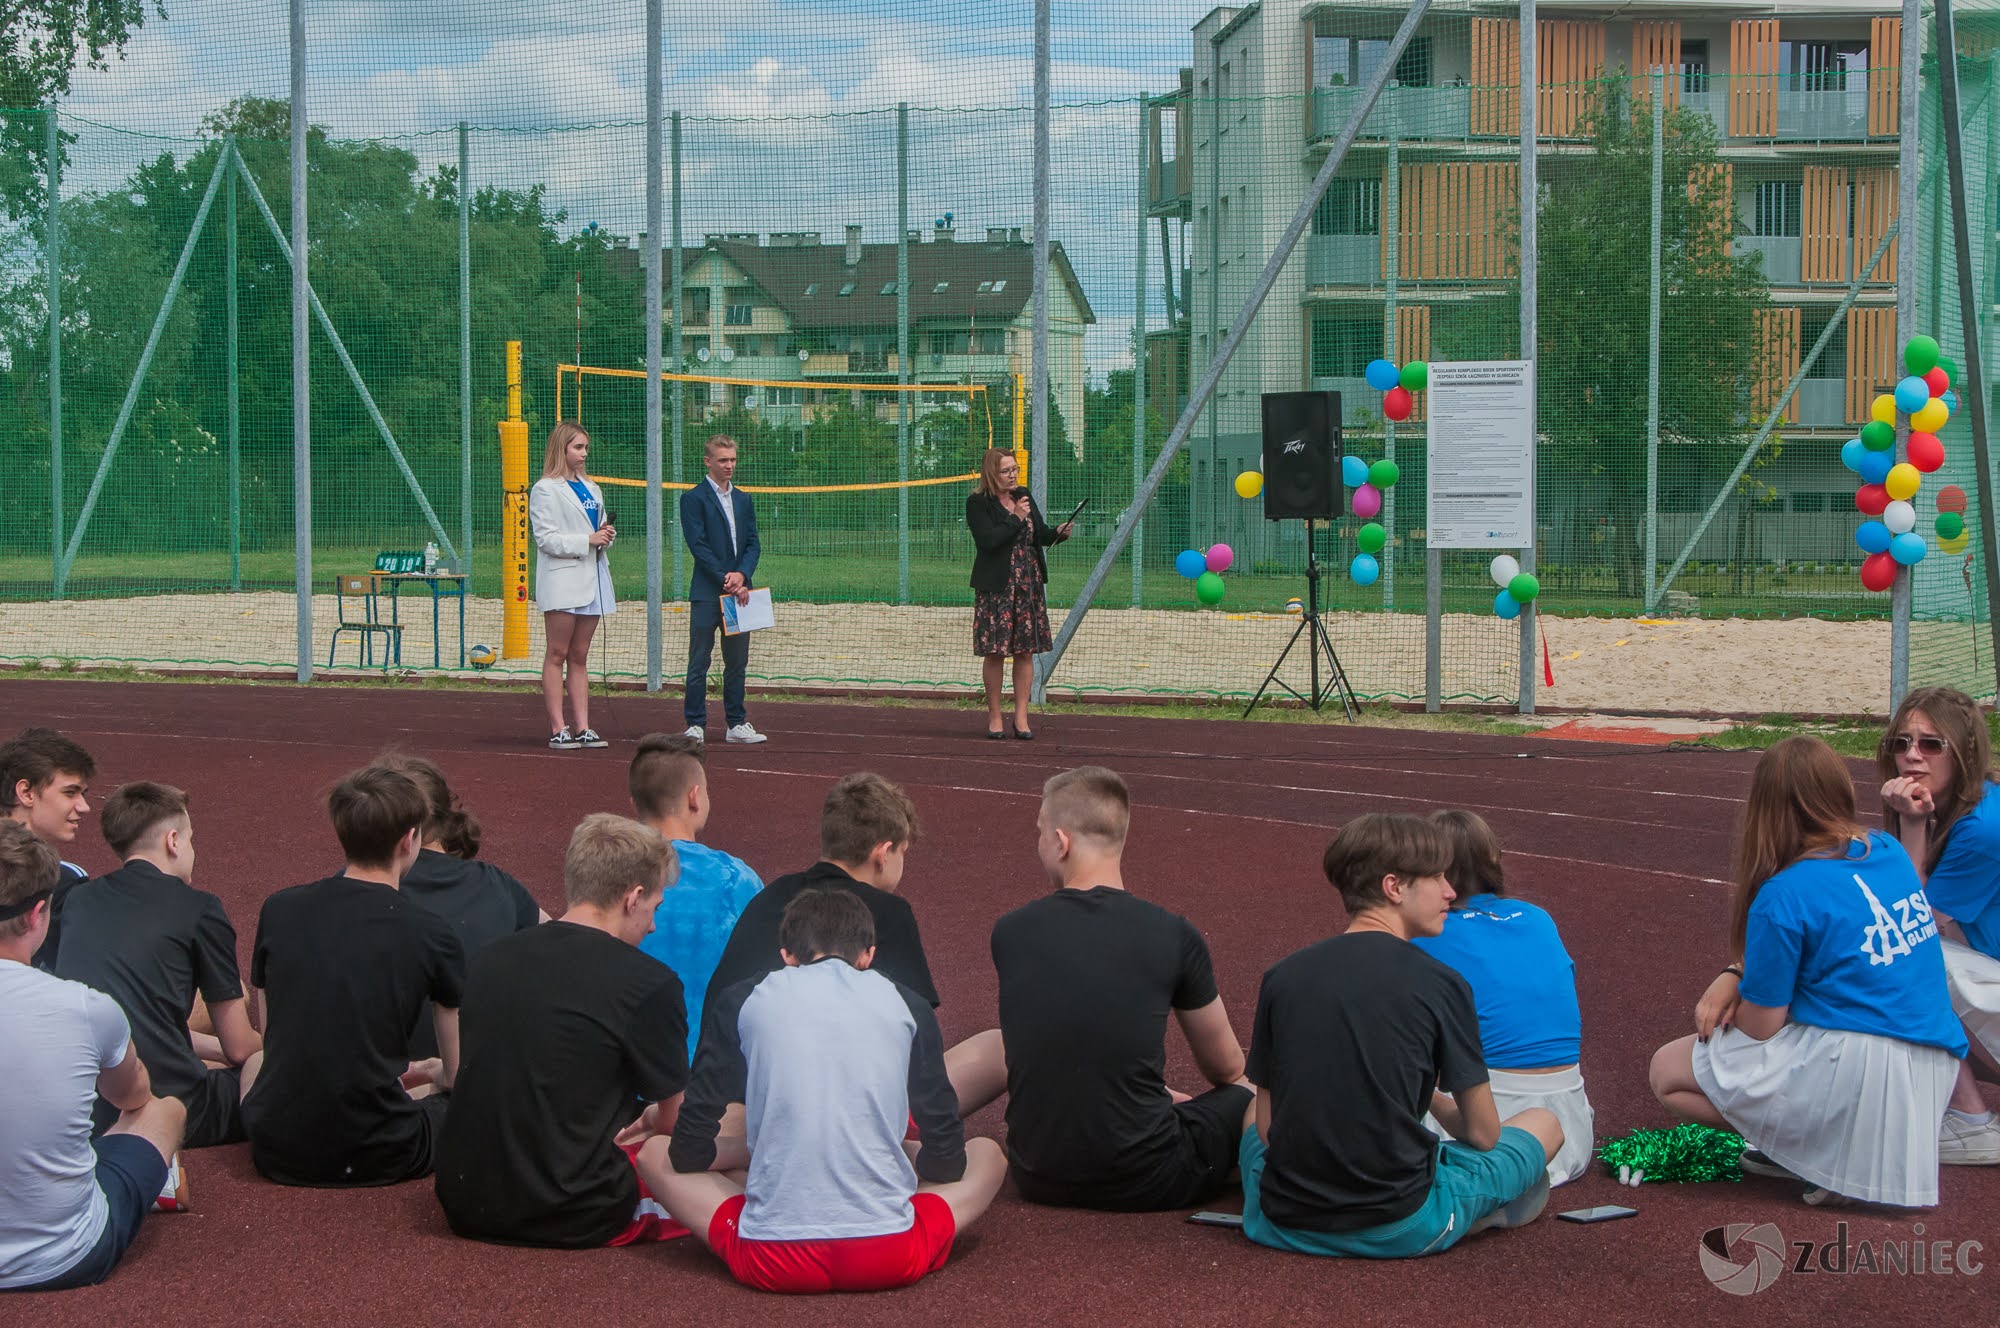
x,y
1301,456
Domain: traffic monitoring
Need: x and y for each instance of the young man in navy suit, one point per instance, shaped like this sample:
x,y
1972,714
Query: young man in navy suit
x,y
720,527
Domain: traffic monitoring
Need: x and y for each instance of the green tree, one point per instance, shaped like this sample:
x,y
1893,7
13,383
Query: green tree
x,y
41,44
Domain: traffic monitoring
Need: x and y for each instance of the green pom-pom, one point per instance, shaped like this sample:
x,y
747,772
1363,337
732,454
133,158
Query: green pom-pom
x,y
1685,1155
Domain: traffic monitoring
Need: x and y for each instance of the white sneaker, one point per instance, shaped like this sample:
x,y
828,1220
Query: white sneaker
x,y
745,733
1964,1143
697,732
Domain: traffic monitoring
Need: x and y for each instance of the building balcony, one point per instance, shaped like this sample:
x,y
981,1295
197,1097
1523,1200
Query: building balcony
x,y
1424,114
1343,260
1820,403
1781,256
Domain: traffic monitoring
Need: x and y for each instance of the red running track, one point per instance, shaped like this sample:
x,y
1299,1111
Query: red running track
x,y
1628,848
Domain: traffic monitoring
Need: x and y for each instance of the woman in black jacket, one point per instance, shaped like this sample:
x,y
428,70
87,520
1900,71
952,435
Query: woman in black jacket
x,y
1009,614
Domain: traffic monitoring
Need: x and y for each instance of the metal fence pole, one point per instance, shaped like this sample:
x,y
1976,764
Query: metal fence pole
x,y
1659,90
902,353
1908,164
1139,347
52,255
675,350
1392,270
1038,349
650,263
1530,341
301,368
464,348
233,382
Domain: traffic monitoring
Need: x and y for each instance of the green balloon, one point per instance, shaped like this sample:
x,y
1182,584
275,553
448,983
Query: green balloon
x,y
1921,355
1371,537
1208,588
1384,473
1950,369
1524,588
1877,436
1414,376
1950,525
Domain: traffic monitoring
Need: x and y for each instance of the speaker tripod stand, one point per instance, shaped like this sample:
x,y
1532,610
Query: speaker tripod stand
x,y
1313,628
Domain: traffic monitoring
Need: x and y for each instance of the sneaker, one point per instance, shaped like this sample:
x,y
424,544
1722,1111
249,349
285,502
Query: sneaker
x,y
1818,1196
173,1197
697,732
1968,1143
564,741
745,733
590,738
1522,1210
1754,1163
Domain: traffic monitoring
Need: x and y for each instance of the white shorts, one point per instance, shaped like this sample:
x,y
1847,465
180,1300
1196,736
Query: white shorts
x,y
1561,1092
1975,993
1854,1113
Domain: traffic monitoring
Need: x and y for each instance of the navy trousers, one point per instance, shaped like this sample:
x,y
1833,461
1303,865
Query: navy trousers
x,y
704,623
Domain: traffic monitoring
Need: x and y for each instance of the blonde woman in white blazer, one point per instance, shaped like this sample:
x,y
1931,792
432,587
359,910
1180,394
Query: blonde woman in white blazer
x,y
573,534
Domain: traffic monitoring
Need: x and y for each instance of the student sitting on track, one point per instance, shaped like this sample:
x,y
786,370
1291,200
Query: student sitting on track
x,y
480,902
832,1061
69,1205
145,937
1524,986
346,965
566,1027
1941,800
1088,975
1837,1059
1356,1038
668,783
44,784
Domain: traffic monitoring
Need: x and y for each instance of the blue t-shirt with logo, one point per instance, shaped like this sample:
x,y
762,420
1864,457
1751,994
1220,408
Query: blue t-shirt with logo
x,y
589,501
1523,981
1965,886
1849,943
694,918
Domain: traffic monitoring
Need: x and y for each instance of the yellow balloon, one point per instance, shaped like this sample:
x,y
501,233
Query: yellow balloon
x,y
1904,481
1883,409
1931,417
1956,544
1249,484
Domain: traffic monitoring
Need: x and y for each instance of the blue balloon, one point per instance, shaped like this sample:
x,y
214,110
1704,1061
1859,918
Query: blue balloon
x,y
1911,394
1364,569
1851,453
1353,471
1950,399
1873,537
1875,466
1506,605
1908,548
1382,375
1191,563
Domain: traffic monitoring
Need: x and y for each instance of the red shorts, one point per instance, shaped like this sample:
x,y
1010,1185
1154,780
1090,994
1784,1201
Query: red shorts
x,y
649,1221
857,1263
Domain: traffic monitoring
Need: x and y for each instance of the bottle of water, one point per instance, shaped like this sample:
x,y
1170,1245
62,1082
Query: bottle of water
x,y
430,558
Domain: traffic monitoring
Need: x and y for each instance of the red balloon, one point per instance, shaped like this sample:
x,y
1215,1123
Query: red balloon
x,y
1951,498
1925,452
1872,499
1937,380
1397,403
1878,571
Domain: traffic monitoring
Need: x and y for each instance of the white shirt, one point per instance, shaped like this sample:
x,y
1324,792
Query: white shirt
x,y
56,1037
728,512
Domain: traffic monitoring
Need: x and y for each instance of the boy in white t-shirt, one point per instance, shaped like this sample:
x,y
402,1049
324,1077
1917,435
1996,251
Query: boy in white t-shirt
x,y
73,1204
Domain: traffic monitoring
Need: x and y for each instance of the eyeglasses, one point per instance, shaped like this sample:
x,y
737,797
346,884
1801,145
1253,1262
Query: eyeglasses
x,y
1929,744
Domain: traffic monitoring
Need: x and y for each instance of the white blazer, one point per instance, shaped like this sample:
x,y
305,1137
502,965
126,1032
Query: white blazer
x,y
565,564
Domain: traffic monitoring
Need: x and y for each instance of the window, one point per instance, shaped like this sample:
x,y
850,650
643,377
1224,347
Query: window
x,y
1342,347
738,300
1809,502
1223,240
1350,207
1832,362
751,346
846,288
1694,66
941,288
889,288
1822,66
1340,62
695,312
985,288
1777,209
948,343
812,289
999,285
993,341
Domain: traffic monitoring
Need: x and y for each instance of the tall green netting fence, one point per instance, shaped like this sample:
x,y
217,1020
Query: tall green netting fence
x,y
854,245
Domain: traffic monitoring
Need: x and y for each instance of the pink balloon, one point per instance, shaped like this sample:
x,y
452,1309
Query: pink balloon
x,y
1367,501
1219,557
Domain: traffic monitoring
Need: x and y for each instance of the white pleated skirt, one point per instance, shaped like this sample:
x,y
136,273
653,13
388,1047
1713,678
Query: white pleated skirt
x,y
1560,1092
1975,993
1854,1113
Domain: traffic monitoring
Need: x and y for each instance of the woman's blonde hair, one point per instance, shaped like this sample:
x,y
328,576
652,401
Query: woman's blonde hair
x,y
555,462
1957,720
1801,804
989,471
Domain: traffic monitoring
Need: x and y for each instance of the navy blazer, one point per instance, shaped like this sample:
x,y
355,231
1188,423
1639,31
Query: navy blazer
x,y
706,531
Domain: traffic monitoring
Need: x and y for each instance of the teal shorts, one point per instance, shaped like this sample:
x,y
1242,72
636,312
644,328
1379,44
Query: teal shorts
x,y
1469,1185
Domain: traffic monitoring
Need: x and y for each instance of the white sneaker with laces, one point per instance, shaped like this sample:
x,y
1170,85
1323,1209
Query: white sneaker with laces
x,y
745,733
1967,1143
697,732
590,738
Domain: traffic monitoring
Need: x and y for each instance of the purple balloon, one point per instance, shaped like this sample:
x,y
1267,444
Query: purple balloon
x,y
1219,558
1367,501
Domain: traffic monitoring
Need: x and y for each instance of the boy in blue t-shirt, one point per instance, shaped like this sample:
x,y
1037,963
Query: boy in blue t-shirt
x,y
668,783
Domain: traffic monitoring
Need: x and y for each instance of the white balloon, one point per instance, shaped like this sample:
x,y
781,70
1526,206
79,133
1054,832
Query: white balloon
x,y
1899,517
1504,569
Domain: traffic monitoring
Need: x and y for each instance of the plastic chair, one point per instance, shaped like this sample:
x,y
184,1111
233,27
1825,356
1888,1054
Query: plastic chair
x,y
363,588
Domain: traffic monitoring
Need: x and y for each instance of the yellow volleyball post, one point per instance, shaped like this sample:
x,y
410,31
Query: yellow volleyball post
x,y
514,524
1021,427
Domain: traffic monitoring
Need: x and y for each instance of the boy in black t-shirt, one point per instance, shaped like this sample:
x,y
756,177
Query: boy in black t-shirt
x,y
1088,976
567,1026
144,937
1356,1037
45,784
345,964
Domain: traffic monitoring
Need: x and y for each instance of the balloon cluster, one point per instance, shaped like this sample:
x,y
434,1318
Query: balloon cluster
x,y
1369,484
1205,570
1888,486
1516,586
1397,386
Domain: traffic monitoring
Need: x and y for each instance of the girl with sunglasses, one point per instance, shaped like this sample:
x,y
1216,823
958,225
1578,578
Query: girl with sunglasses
x,y
1940,798
1840,1054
